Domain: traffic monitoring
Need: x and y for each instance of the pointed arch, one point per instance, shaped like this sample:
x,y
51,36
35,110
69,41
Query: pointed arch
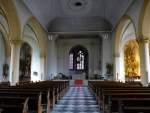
x,y
122,25
40,34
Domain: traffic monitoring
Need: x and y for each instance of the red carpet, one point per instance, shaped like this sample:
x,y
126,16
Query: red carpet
x,y
78,82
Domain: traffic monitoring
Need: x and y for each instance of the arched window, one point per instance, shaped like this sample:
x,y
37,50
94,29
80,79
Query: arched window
x,y
77,59
78,62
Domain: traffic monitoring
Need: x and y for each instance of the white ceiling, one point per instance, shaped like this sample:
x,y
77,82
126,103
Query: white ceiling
x,y
47,10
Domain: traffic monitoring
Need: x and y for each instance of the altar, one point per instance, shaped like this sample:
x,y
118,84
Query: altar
x,y
79,76
79,80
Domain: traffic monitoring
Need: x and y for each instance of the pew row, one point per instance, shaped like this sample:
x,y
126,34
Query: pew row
x,y
115,97
39,97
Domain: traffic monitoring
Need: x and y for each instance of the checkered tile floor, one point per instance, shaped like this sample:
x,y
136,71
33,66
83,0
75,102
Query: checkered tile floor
x,y
77,100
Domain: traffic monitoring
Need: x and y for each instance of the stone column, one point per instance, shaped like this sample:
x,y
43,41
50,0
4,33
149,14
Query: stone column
x,y
14,61
53,55
119,74
144,60
42,67
116,67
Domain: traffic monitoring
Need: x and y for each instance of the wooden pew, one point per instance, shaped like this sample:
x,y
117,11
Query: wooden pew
x,y
36,97
13,101
121,97
58,89
124,97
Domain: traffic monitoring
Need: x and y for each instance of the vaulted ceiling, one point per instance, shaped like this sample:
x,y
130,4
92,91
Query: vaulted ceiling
x,y
78,12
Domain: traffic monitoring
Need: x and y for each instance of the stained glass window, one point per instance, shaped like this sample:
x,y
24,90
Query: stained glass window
x,y
71,61
77,60
80,60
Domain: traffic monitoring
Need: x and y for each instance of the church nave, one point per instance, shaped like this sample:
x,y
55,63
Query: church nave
x,y
74,56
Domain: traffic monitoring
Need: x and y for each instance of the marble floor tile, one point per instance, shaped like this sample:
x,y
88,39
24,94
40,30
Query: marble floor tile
x,y
77,100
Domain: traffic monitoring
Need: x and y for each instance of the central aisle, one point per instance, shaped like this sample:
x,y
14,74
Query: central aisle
x,y
77,100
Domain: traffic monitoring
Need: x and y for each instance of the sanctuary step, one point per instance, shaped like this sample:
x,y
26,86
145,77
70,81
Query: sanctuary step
x,y
77,100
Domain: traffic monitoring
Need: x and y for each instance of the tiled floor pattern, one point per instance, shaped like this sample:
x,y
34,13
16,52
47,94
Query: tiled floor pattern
x,y
77,100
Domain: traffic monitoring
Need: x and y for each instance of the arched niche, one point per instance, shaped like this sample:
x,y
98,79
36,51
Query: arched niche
x,y
30,37
125,31
37,35
78,62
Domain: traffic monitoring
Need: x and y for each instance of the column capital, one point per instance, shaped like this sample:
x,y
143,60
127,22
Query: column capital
x,y
142,40
52,37
16,42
